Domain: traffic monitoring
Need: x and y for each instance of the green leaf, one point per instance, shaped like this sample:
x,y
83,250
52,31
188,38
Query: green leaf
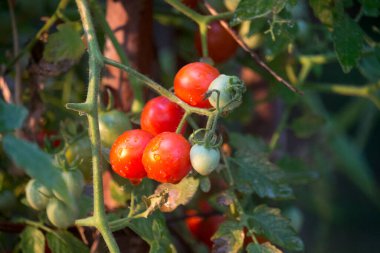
x,y
369,66
228,238
32,240
252,9
307,125
154,231
323,10
371,7
348,41
276,228
11,116
262,248
37,165
253,172
65,242
65,44
178,194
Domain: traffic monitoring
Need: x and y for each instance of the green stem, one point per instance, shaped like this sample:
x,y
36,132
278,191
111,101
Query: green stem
x,y
228,168
137,90
61,6
158,88
190,13
224,15
95,65
182,122
203,32
37,225
280,128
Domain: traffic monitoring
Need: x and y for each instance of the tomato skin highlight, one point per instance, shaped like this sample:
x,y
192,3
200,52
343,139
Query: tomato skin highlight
x,y
192,81
161,115
126,153
221,46
166,158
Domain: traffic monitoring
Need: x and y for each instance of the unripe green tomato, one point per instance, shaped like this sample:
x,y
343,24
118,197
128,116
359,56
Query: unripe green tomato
x,y
221,83
37,195
80,149
112,124
74,182
7,200
204,160
60,214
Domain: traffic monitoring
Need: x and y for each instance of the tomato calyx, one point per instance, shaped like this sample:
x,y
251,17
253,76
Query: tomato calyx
x,y
206,137
225,93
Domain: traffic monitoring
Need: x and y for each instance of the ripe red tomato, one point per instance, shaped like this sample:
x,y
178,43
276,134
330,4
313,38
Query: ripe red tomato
x,y
161,115
166,158
127,151
221,46
192,81
203,228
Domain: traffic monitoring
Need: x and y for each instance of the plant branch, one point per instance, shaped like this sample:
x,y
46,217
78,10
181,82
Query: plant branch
x,y
49,23
158,88
253,54
95,65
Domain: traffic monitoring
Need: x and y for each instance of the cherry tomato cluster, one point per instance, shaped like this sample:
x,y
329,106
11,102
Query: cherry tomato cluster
x,y
156,151
59,213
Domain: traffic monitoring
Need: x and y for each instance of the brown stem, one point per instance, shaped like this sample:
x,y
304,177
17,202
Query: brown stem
x,y
253,54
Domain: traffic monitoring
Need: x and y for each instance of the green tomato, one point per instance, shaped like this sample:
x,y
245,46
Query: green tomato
x,y
80,150
221,84
74,181
37,195
204,160
112,124
60,214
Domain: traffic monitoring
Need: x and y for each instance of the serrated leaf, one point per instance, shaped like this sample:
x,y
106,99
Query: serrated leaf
x,y
276,228
65,44
65,242
323,10
348,41
262,248
179,194
32,240
154,231
11,116
37,165
251,9
228,238
247,143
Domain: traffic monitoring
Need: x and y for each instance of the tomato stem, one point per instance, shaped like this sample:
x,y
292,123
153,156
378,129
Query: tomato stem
x,y
182,122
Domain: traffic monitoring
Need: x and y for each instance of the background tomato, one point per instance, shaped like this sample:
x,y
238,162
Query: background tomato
x,y
112,124
74,182
204,160
37,195
192,81
161,115
60,214
127,151
80,150
167,158
221,46
190,3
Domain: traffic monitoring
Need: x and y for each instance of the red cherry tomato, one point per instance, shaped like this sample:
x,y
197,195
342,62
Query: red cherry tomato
x,y
161,115
126,154
192,81
203,228
48,135
166,158
221,46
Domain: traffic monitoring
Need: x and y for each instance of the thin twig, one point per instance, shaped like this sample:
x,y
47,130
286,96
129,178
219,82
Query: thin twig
x,y
15,52
253,54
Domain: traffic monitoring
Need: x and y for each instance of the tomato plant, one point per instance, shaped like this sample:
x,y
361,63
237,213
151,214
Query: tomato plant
x,y
166,158
161,115
192,81
220,44
126,154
